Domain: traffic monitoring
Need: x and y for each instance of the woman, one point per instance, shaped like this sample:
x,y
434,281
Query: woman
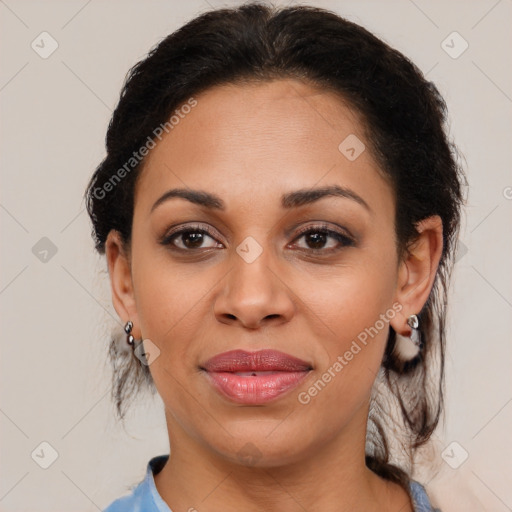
x,y
279,209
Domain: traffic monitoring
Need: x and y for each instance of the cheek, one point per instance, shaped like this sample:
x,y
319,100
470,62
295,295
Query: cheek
x,y
355,310
342,382
351,297
170,302
167,295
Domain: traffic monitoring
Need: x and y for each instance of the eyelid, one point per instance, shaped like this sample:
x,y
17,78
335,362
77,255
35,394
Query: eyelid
x,y
323,226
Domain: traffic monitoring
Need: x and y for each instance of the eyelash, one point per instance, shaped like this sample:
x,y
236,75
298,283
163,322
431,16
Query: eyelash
x,y
344,240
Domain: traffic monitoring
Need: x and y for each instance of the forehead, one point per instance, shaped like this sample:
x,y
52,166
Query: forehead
x,y
251,140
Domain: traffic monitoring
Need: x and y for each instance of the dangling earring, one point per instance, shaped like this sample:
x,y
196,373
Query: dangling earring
x,y
129,338
408,347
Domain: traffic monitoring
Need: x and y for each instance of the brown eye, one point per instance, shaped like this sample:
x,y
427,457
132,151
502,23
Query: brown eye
x,y
316,240
322,239
191,238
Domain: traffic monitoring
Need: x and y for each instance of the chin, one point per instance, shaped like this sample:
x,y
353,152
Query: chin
x,y
262,444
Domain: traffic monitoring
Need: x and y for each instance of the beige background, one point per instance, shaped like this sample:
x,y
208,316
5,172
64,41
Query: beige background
x,y
56,313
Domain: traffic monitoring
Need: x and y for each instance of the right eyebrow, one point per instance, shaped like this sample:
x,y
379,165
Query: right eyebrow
x,y
198,197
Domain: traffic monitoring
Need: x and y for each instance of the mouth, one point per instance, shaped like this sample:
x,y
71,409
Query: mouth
x,y
254,378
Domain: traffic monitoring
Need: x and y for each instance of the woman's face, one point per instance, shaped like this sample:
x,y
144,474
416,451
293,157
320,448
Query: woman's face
x,y
256,271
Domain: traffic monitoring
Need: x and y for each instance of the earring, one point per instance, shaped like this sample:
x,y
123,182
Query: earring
x,y
129,338
408,347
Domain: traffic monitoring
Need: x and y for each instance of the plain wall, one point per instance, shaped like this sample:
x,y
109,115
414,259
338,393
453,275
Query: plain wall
x,y
56,314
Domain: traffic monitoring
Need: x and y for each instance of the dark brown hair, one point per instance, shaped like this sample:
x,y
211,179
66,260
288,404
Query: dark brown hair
x,y
405,121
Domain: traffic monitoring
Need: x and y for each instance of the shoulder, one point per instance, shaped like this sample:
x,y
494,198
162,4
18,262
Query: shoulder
x,y
420,498
144,495
136,501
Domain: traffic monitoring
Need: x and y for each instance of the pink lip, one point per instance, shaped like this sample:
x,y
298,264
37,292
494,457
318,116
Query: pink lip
x,y
282,373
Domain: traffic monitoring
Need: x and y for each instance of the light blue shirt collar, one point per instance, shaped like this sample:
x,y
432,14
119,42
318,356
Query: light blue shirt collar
x,y
145,497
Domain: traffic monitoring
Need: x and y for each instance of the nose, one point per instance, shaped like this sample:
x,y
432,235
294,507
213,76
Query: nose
x,y
254,295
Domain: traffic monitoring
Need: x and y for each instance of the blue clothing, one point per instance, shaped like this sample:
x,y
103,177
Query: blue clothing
x,y
145,498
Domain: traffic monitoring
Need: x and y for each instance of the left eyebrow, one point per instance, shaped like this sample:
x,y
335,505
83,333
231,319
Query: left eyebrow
x,y
289,200
308,196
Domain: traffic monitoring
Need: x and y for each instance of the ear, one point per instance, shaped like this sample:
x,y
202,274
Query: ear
x,y
119,269
417,272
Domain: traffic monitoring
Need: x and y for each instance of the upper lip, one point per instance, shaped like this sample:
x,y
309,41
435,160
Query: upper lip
x,y
263,360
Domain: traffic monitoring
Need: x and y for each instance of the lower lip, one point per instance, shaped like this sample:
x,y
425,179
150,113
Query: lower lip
x,y
255,390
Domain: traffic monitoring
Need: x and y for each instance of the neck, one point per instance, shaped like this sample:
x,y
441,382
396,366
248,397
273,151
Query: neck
x,y
331,477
